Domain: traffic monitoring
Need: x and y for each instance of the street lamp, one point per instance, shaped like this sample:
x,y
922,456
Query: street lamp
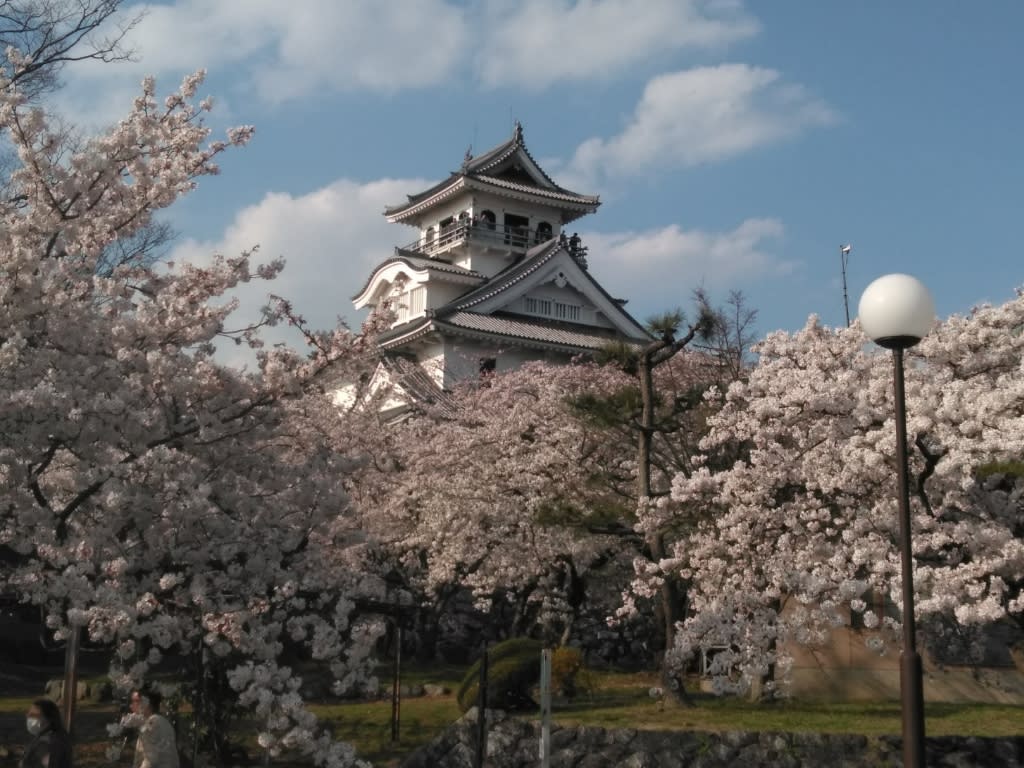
x,y
844,258
896,311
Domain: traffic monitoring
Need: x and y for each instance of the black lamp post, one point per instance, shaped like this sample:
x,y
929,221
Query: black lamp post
x,y
896,311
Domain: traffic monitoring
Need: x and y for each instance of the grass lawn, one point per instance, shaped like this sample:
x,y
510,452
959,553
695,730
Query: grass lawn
x,y
617,700
620,700
368,726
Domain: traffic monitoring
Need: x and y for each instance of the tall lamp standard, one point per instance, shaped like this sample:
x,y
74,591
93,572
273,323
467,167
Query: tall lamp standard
x,y
844,258
896,311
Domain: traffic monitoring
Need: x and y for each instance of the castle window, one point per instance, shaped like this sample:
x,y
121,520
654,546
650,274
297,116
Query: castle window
x,y
411,303
488,219
417,300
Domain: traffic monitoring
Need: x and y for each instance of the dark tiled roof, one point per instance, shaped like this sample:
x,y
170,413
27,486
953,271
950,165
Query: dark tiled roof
x,y
502,152
567,336
417,261
477,168
563,335
407,331
494,156
557,193
411,200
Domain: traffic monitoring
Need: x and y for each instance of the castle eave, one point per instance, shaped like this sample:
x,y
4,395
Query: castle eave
x,y
526,332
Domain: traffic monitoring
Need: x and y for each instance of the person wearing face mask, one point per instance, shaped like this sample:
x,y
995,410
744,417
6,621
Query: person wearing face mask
x,y
50,746
156,746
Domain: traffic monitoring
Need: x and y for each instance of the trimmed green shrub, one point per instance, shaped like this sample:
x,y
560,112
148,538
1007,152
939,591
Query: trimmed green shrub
x,y
1011,468
513,669
566,664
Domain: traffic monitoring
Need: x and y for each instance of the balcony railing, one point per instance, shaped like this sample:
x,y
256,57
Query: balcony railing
x,y
494,235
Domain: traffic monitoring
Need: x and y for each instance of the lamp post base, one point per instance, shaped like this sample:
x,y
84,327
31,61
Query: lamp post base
x,y
911,687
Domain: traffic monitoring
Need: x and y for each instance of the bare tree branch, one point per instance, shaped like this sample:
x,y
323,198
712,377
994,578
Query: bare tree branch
x,y
47,34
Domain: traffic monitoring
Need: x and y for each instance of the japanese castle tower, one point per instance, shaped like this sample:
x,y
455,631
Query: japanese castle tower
x,y
492,279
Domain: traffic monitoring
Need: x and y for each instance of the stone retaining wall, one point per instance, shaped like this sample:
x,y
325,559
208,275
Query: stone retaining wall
x,y
514,743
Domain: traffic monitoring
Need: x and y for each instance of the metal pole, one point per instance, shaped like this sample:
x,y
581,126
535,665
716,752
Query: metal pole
x,y
197,703
911,677
481,717
545,708
396,691
844,255
71,677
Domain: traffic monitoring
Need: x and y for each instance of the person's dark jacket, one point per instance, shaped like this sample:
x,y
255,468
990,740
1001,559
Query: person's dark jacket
x,y
50,749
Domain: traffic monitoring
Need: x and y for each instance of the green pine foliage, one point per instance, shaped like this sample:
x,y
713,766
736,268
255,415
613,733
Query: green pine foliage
x,y
513,669
1008,468
568,673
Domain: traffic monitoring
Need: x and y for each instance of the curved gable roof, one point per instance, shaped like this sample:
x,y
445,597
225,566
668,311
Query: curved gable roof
x,y
421,264
491,168
528,267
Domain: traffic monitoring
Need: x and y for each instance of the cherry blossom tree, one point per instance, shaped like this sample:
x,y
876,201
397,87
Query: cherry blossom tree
x,y
666,419
523,487
510,494
149,495
801,529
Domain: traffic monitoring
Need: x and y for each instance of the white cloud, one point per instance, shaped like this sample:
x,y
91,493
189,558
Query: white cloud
x,y
361,44
535,43
282,54
658,269
701,115
285,53
330,239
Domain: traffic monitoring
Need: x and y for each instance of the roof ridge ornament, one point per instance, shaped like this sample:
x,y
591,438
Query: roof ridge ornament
x,y
518,134
467,158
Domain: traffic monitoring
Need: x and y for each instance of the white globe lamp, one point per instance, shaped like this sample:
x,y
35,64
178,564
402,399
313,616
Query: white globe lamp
x,y
896,311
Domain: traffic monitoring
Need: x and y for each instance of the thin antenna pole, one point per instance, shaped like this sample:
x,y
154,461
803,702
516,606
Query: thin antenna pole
x,y
844,257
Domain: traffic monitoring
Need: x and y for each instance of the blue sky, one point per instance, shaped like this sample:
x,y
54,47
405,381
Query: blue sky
x,y
734,145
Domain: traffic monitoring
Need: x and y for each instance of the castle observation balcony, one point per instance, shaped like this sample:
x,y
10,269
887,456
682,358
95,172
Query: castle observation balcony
x,y
499,237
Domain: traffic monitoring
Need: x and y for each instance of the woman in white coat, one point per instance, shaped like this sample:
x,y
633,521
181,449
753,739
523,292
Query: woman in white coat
x,y
156,746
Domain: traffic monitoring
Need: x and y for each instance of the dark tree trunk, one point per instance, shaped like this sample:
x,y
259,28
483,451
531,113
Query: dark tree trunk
x,y
670,606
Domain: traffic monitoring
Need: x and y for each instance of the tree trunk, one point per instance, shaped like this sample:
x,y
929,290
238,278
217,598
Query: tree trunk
x,y
669,608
